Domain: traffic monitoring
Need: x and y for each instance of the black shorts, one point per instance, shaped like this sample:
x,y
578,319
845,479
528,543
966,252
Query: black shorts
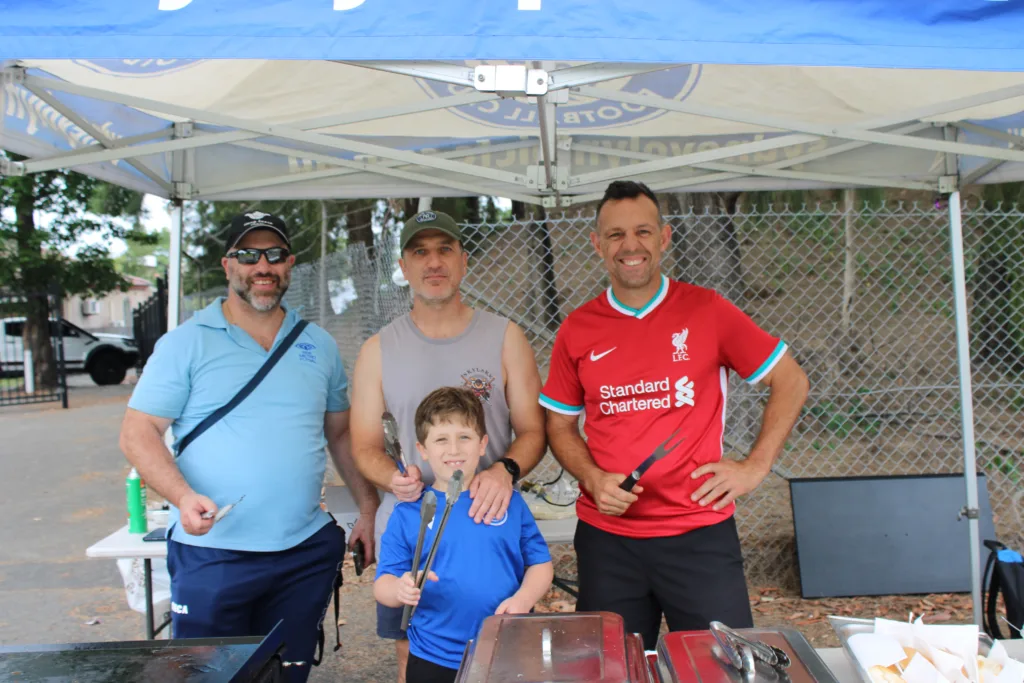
x,y
693,579
423,671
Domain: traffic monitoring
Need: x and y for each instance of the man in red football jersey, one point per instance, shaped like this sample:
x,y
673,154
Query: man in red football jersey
x,y
647,359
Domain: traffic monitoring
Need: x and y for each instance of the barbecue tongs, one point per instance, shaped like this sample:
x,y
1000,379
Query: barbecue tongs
x,y
451,497
743,654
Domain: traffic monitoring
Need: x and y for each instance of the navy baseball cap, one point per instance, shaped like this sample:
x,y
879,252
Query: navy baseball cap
x,y
254,220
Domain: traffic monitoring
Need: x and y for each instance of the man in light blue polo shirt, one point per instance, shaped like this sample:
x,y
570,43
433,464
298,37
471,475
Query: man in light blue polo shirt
x,y
276,554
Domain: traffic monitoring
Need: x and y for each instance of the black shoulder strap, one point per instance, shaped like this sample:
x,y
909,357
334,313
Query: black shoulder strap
x,y
267,366
990,586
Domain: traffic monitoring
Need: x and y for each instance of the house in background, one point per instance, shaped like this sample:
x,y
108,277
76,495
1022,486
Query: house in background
x,y
111,312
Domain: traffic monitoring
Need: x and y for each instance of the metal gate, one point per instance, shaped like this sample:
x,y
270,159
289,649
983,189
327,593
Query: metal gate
x,y
32,364
149,322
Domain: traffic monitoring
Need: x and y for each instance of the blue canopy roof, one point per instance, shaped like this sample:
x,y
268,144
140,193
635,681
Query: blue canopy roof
x,y
933,34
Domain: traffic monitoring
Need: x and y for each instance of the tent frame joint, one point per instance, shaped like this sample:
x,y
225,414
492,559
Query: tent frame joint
x,y
184,129
12,75
949,184
184,190
510,80
12,169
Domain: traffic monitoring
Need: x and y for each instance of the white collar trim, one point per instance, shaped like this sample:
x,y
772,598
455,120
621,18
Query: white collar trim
x,y
639,313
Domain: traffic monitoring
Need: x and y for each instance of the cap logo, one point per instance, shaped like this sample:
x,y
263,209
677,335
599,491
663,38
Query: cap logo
x,y
426,217
257,215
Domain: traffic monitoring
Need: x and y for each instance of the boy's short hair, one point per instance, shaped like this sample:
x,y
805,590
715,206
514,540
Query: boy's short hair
x,y
441,405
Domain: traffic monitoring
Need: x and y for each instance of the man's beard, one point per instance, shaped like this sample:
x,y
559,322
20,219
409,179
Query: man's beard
x,y
263,303
437,299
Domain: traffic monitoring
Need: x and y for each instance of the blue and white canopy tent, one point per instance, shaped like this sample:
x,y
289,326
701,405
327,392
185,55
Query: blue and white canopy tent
x,y
544,101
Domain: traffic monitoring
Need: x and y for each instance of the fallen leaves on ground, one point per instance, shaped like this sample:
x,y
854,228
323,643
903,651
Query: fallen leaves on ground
x,y
773,606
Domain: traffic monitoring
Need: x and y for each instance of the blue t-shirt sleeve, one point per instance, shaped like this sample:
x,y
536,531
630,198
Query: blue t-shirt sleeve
x,y
395,554
164,386
337,389
531,542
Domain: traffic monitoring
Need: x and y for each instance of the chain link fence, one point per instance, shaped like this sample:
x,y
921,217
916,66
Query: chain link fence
x,y
863,297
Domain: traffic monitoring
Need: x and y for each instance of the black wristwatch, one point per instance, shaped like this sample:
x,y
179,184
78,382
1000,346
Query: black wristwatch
x,y
513,468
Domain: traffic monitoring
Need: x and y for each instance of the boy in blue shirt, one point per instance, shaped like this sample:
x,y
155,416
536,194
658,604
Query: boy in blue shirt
x,y
480,569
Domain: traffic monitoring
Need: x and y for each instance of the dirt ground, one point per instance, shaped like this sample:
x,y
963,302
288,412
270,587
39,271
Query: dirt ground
x,y
62,486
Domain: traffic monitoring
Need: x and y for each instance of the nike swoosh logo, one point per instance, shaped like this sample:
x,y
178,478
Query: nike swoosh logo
x,y
599,356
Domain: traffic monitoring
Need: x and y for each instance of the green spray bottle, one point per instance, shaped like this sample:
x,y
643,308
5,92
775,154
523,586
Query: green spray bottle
x,y
136,491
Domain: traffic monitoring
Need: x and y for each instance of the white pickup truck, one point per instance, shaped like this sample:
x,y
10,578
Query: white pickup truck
x,y
106,357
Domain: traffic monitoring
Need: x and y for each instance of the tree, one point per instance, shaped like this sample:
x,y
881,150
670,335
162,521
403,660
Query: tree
x,y
144,259
207,223
42,251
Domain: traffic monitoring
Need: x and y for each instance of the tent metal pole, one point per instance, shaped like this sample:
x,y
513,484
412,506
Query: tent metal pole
x,y
125,150
323,264
718,177
546,146
98,135
845,131
332,172
966,406
274,131
771,172
424,204
174,268
569,77
4,77
392,169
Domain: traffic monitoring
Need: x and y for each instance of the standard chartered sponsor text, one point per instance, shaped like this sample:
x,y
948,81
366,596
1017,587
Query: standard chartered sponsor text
x,y
638,395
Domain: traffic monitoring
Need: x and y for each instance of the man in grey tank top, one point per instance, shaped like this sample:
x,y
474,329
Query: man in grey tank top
x,y
443,342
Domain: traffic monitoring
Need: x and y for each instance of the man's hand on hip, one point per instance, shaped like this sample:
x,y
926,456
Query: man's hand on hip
x,y
407,487
192,507
491,491
363,531
730,479
603,487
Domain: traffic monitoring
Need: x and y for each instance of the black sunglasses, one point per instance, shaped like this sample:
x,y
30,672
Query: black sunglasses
x,y
251,257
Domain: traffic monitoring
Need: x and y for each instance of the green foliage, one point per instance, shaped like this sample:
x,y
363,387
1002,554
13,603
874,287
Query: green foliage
x,y
351,220
845,417
44,219
1005,462
134,260
206,224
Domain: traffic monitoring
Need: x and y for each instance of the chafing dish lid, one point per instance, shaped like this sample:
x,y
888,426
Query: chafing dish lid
x,y
537,648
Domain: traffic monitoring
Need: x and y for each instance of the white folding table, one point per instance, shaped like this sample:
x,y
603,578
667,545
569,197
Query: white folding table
x,y
123,545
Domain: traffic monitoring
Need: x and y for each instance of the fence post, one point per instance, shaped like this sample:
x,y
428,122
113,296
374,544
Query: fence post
x,y
62,368
849,272
29,370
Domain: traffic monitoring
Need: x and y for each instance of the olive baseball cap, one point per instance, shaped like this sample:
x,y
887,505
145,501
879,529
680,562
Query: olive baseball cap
x,y
429,220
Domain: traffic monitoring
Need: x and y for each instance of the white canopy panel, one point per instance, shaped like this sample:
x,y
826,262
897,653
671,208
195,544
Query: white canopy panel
x,y
299,129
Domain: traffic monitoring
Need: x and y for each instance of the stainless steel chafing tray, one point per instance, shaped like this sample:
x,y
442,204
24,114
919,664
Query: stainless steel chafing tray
x,y
847,627
697,657
589,647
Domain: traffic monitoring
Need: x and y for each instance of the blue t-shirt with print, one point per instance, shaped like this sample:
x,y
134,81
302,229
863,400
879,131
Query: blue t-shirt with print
x,y
270,448
477,565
